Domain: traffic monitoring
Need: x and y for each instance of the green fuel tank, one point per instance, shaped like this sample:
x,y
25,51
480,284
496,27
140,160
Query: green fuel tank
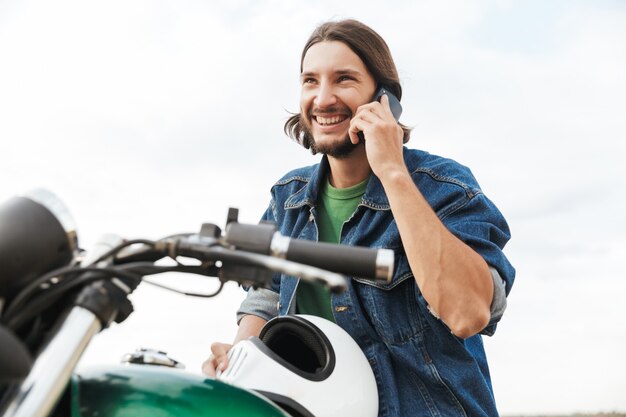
x,y
154,391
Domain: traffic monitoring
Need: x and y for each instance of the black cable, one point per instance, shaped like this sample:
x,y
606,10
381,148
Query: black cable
x,y
131,271
114,250
48,297
33,332
177,235
191,294
34,286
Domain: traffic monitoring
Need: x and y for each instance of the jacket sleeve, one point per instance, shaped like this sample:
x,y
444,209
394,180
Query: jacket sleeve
x,y
498,303
262,302
480,225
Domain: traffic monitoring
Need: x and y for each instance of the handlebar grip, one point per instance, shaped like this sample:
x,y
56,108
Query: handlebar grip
x,y
376,264
251,237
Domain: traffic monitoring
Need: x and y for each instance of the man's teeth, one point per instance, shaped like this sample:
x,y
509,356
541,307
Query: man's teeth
x,y
329,120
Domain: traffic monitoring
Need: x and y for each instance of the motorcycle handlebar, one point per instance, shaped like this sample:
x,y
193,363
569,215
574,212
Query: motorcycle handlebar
x,y
246,253
370,263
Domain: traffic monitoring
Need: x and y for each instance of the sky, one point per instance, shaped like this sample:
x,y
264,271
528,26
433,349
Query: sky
x,y
150,118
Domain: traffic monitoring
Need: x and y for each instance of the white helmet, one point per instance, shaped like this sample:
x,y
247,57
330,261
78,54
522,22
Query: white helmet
x,y
307,365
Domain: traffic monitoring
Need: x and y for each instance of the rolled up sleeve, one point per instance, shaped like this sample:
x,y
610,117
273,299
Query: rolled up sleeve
x,y
260,302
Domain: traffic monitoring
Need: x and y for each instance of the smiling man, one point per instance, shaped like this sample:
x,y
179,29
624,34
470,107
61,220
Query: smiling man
x,y
421,332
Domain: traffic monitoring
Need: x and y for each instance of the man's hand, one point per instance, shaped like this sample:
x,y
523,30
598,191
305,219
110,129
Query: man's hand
x,y
383,137
218,361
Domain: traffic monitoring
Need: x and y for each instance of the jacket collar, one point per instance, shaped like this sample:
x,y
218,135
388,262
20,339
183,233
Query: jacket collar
x,y
374,197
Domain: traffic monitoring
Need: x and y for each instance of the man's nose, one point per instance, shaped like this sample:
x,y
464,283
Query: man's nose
x,y
325,96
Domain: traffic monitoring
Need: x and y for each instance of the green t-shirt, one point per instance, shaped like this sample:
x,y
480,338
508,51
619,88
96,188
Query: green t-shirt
x,y
335,207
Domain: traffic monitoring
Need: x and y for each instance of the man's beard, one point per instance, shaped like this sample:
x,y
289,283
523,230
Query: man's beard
x,y
339,150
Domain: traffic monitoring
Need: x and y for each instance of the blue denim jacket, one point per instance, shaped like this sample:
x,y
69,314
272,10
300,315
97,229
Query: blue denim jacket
x,y
421,368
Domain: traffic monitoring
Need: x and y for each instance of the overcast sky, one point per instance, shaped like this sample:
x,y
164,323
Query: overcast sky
x,y
149,118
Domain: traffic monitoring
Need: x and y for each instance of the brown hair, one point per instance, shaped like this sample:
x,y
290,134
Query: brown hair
x,y
373,51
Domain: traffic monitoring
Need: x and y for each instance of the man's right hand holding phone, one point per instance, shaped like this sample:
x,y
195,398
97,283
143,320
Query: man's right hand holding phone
x,y
383,135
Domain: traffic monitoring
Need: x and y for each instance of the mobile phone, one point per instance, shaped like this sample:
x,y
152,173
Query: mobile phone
x,y
394,105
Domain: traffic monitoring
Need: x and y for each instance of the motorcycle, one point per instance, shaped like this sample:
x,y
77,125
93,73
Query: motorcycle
x,y
55,297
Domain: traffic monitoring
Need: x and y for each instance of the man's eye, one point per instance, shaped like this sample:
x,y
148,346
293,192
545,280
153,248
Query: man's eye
x,y
344,78
308,80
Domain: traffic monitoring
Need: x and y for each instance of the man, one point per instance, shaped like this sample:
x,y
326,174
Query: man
x,y
421,332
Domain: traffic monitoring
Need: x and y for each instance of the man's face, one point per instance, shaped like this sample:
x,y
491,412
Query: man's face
x,y
335,82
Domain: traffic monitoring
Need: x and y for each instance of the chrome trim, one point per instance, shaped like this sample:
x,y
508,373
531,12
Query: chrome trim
x,y
334,281
279,246
54,204
144,356
51,372
121,285
384,264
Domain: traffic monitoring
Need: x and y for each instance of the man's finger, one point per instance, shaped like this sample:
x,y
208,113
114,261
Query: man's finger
x,y
219,358
220,349
208,367
384,100
356,126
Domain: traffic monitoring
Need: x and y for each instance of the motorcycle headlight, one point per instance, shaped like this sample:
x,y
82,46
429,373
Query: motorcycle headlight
x,y
37,235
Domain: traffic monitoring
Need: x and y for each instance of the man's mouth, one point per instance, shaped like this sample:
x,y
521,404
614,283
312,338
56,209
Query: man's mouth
x,y
330,120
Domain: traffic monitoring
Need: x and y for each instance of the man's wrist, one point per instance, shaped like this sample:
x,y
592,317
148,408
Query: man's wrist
x,y
250,325
394,174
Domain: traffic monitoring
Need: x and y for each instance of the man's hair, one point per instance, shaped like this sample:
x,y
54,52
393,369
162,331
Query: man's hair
x,y
373,51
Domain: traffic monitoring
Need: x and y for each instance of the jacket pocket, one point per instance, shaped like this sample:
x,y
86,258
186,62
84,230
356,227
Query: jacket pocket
x,y
392,309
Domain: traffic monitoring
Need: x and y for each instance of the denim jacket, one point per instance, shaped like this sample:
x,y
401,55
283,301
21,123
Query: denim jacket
x,y
421,368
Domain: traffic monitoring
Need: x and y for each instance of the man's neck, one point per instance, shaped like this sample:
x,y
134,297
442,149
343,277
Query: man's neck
x,y
349,171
